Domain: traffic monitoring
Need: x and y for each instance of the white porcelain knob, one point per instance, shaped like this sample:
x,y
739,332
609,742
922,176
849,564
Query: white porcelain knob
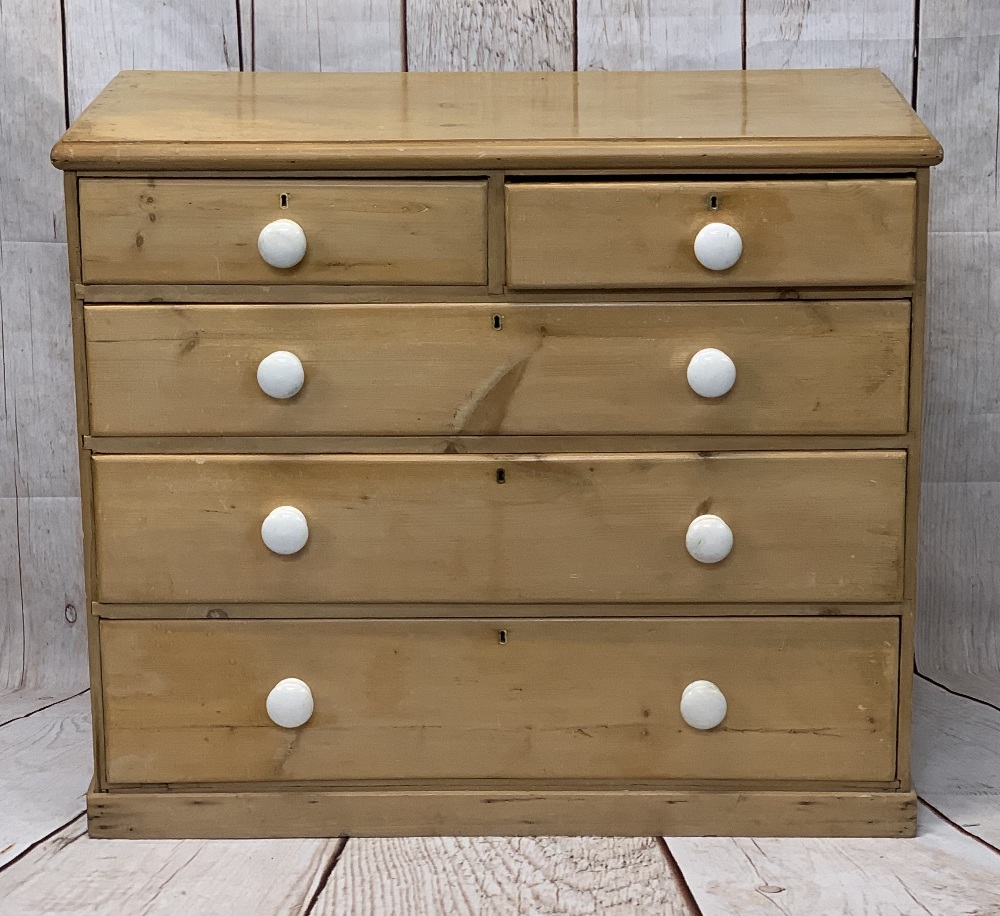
x,y
718,246
281,375
285,530
703,705
711,373
290,703
709,539
282,243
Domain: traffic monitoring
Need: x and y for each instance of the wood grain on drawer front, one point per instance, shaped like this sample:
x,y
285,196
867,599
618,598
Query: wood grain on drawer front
x,y
808,367
840,232
184,701
808,526
205,230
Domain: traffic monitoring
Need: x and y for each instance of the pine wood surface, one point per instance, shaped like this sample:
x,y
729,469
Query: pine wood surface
x,y
876,812
396,232
471,812
641,234
812,527
827,367
826,118
568,699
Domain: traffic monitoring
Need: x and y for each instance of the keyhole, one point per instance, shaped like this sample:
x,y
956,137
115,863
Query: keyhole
x,y
503,637
501,475
713,203
284,201
497,322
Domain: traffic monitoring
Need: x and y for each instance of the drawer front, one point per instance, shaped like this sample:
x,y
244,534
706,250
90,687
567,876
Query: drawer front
x,y
186,701
822,526
355,232
642,234
816,367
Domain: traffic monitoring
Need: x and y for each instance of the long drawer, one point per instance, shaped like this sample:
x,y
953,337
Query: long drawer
x,y
842,232
207,231
808,367
806,699
821,526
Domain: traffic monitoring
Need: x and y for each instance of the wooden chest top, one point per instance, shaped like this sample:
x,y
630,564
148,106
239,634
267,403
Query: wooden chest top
x,y
706,120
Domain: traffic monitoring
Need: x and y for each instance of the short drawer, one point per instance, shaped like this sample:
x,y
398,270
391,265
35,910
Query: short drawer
x,y
800,367
793,233
355,232
804,699
805,526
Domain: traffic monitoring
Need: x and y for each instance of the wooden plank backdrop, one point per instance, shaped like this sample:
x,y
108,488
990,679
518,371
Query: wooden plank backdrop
x,y
55,56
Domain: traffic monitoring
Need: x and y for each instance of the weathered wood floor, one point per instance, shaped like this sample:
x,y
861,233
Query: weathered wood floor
x,y
48,865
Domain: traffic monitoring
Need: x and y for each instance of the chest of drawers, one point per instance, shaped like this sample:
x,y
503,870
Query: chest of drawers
x,y
499,453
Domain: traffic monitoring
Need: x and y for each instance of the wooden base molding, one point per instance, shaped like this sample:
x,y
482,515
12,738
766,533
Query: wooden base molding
x,y
387,813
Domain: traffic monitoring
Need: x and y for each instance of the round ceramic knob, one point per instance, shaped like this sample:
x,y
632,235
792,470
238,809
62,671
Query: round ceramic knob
x,y
711,373
703,705
285,530
282,243
718,246
709,539
281,375
290,703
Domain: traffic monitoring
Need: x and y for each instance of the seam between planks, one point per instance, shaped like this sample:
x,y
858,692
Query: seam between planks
x,y
17,501
239,34
33,712
678,875
324,877
65,62
959,827
48,836
743,34
955,693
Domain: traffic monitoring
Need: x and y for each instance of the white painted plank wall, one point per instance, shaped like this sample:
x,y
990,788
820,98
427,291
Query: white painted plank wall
x,y
659,35
847,33
314,35
105,36
958,94
37,451
490,35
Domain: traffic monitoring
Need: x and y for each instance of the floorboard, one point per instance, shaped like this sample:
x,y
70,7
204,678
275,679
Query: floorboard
x,y
940,873
956,759
502,877
19,704
46,768
981,686
69,873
